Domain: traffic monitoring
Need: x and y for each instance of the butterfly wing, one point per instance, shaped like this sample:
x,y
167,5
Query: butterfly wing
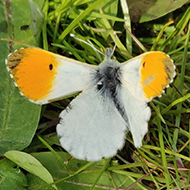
x,y
42,76
147,75
91,127
137,113
143,78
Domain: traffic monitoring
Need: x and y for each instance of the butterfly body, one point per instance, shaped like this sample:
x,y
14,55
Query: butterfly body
x,y
113,98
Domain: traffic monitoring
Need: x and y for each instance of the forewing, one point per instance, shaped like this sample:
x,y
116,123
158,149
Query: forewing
x,y
42,76
147,75
91,127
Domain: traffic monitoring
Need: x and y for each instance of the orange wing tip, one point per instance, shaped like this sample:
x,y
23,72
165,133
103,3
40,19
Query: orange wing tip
x,y
8,69
12,77
27,67
172,78
6,62
157,72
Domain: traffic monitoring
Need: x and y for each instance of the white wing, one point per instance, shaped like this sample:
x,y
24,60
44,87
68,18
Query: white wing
x,y
131,77
43,76
72,76
91,127
143,78
147,75
138,115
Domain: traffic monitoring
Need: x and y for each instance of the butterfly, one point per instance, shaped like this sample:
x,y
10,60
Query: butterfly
x,y
113,98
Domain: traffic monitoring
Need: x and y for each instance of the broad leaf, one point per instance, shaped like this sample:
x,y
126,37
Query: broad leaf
x,y
11,177
18,117
148,10
30,164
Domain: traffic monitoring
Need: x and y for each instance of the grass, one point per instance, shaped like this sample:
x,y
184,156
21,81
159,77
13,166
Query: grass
x,y
166,156
163,162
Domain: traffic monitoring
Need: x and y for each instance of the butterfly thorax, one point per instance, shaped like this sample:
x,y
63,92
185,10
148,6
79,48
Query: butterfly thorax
x,y
108,77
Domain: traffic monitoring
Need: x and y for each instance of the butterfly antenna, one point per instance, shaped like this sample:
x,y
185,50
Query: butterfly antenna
x,y
72,35
113,50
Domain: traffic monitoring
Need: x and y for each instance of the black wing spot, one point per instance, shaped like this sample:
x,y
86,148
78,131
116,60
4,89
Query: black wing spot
x,y
50,66
144,64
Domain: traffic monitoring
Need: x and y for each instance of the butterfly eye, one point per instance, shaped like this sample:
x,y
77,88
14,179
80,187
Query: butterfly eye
x,y
50,66
99,85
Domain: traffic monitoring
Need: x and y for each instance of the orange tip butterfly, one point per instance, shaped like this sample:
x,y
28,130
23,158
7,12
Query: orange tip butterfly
x,y
113,98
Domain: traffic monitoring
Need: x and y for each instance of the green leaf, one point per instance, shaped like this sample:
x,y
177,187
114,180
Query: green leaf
x,y
11,177
30,164
34,182
37,19
148,10
19,117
